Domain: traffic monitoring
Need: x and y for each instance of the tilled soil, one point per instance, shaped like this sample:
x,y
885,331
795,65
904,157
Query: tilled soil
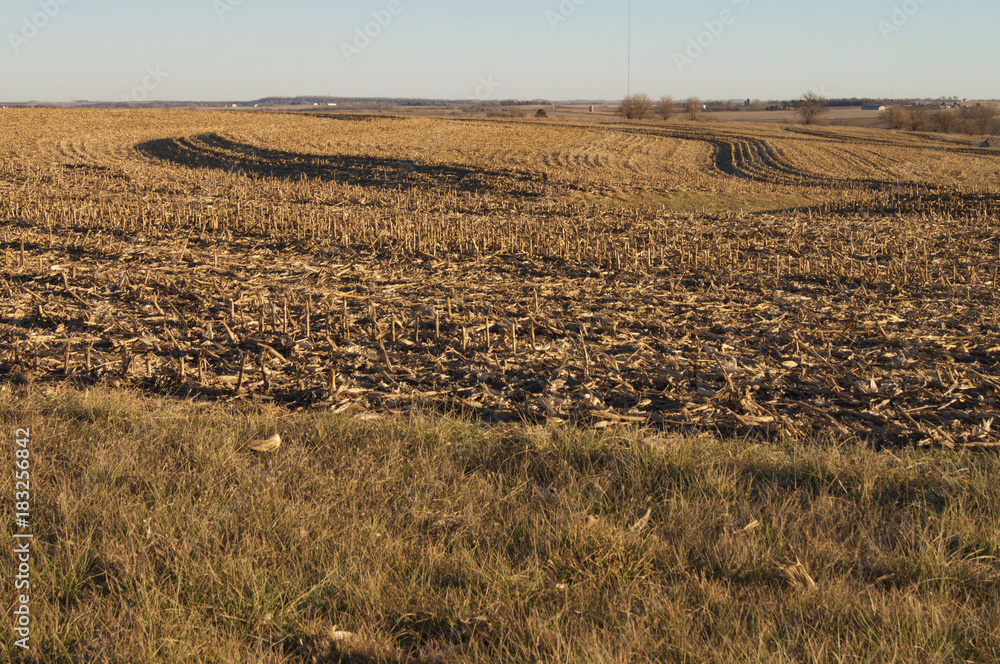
x,y
382,265
507,337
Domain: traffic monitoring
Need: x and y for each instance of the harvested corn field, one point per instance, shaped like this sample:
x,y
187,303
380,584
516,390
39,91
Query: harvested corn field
x,y
738,279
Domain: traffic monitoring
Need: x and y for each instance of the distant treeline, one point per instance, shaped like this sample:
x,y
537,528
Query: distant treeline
x,y
356,102
385,103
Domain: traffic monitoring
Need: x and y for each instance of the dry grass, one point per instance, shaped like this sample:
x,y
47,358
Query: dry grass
x,y
161,536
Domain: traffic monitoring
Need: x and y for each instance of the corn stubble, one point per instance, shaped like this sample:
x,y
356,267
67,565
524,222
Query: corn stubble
x,y
509,270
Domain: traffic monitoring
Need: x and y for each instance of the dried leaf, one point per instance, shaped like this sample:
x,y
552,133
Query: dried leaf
x,y
641,524
267,444
797,575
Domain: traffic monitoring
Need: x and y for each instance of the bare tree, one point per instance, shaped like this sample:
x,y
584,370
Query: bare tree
x,y
944,121
666,107
636,107
812,106
756,105
919,118
980,119
693,108
896,116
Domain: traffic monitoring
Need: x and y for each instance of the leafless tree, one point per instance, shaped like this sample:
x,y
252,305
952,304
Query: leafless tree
x,y
636,106
944,121
693,108
756,105
919,118
896,116
980,119
666,107
812,106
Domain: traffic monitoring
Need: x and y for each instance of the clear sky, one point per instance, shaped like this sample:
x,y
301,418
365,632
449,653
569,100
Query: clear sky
x,y
58,50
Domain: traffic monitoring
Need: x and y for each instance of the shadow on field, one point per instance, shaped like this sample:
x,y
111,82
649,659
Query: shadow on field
x,y
216,152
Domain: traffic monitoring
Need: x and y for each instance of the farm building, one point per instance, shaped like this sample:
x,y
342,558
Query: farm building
x,y
873,107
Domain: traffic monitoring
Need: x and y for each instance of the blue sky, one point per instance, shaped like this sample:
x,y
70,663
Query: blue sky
x,y
55,50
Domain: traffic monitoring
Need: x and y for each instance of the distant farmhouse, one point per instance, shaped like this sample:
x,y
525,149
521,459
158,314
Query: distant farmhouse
x,y
873,107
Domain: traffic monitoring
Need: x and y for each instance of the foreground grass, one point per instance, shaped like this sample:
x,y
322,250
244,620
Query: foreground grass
x,y
160,536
